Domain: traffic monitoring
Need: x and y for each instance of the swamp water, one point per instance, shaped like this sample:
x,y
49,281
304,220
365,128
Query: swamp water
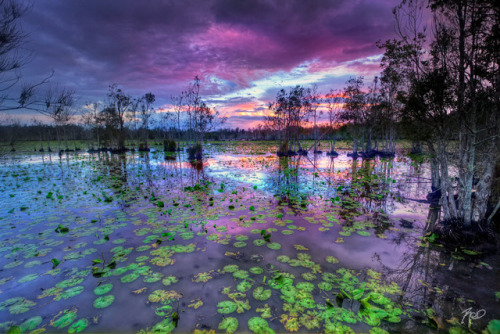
x,y
243,242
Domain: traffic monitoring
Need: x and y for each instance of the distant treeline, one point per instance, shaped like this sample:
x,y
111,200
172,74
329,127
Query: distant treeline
x,y
16,133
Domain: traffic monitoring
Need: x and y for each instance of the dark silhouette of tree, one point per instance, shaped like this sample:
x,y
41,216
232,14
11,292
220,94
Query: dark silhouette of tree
x,y
146,111
452,95
119,105
12,59
289,113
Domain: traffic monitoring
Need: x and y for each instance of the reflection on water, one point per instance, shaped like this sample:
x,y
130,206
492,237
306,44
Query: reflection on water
x,y
167,224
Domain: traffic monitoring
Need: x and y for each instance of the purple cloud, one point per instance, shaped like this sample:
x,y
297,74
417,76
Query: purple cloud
x,y
159,46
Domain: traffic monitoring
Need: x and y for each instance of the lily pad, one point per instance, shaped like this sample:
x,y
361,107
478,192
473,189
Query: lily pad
x,y
283,258
226,307
69,282
325,286
260,293
332,259
65,320
259,326
103,289
104,301
78,326
259,242
230,324
275,246
165,326
306,286
31,324
28,278
163,311
244,286
230,268
256,270
169,280
130,277
241,274
71,292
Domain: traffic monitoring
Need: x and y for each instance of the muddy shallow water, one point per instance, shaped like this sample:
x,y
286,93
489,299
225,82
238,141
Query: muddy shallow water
x,y
243,242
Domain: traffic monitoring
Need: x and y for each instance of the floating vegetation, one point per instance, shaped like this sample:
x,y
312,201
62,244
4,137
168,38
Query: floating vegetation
x,y
226,307
104,301
17,305
274,245
65,319
229,324
260,293
281,252
103,289
71,292
78,326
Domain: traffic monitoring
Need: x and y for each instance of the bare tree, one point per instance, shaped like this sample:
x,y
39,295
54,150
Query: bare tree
x,y
334,106
200,118
12,38
355,112
58,106
289,113
121,104
93,120
146,111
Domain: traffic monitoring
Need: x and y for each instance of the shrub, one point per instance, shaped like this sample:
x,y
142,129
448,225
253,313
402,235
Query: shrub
x,y
195,152
169,145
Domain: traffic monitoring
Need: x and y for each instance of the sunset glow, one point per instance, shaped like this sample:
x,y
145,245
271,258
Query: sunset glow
x,y
243,52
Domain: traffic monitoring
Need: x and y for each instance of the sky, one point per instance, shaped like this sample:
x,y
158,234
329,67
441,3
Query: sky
x,y
244,51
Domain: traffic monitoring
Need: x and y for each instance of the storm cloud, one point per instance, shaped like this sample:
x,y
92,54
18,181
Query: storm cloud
x,y
239,48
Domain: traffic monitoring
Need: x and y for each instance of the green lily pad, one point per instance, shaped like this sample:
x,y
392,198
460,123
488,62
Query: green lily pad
x,y
306,286
165,326
259,326
103,289
20,306
104,301
28,278
65,320
230,268
275,246
69,282
170,280
31,324
256,270
325,286
283,258
163,296
230,324
239,244
241,274
332,259
244,286
78,326
260,294
154,277
309,276
163,311
259,242
226,307
130,277
71,292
